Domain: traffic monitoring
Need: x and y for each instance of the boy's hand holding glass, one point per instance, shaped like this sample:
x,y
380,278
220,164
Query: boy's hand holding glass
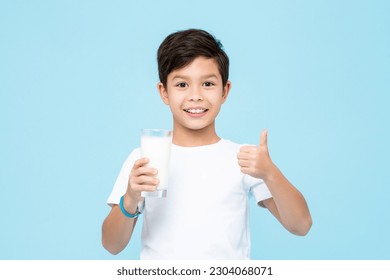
x,y
142,178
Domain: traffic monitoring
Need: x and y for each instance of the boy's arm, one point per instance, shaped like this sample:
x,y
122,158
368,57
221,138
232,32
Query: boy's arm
x,y
287,204
117,228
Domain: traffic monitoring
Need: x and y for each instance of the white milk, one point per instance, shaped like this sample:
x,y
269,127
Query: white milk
x,y
158,150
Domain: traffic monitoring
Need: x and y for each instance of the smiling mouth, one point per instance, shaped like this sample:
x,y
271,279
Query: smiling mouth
x,y
196,110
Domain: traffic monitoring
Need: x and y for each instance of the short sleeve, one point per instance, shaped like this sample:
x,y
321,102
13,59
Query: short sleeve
x,y
121,182
257,188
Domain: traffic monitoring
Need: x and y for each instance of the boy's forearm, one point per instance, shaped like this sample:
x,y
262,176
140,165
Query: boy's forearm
x,y
117,230
291,205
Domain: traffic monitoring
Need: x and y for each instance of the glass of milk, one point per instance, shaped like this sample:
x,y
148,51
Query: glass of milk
x,y
156,145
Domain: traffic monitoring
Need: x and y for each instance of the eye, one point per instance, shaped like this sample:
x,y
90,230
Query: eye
x,y
181,84
208,84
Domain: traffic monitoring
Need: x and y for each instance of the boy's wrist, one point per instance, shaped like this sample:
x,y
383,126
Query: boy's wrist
x,y
130,204
271,174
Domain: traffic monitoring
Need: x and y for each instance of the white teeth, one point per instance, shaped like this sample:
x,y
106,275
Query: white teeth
x,y
195,111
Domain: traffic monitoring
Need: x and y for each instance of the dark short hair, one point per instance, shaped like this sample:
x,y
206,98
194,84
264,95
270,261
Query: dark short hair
x,y
181,48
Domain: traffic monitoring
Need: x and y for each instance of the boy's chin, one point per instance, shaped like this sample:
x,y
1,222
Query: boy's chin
x,y
192,127
199,128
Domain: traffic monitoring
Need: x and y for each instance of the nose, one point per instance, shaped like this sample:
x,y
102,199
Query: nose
x,y
195,95
196,98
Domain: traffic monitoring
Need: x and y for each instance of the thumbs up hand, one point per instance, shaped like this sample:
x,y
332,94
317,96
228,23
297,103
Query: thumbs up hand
x,y
255,160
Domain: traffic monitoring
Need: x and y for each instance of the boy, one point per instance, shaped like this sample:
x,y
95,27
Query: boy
x,y
205,214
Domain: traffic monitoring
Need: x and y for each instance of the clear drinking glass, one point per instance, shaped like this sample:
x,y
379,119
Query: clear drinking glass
x,y
156,145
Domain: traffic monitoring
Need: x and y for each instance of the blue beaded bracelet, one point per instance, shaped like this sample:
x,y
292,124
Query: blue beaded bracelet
x,y
127,214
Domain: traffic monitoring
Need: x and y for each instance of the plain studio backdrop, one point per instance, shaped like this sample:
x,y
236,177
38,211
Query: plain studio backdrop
x,y
78,82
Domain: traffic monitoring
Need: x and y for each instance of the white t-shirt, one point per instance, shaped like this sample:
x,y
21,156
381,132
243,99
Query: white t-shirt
x,y
206,212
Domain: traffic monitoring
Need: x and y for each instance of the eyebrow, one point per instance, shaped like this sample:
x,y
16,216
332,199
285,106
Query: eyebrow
x,y
188,77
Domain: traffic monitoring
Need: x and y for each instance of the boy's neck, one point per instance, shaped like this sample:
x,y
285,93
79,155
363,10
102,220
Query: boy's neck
x,y
194,138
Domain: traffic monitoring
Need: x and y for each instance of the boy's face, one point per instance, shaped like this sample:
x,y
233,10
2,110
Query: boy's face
x,y
195,94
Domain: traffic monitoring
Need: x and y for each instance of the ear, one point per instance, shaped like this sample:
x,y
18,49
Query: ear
x,y
226,90
163,93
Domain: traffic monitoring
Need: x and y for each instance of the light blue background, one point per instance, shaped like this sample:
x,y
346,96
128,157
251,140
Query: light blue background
x,y
78,82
